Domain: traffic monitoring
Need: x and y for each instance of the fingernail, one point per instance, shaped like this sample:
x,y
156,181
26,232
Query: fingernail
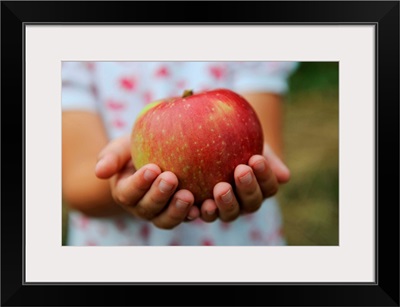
x,y
180,204
100,164
227,197
149,175
259,166
284,167
246,179
210,211
165,186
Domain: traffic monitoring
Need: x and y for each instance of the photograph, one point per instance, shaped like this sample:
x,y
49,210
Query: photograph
x,y
241,146
130,129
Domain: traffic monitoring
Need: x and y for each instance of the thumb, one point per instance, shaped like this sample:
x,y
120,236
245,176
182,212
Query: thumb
x,y
114,157
279,168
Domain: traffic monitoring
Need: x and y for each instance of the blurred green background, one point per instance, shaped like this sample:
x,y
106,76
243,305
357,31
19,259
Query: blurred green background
x,y
309,202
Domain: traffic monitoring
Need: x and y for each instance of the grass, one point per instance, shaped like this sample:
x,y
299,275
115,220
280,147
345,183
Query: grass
x,y
309,201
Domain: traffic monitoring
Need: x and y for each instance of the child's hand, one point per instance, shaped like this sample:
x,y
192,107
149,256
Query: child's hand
x,y
146,193
253,183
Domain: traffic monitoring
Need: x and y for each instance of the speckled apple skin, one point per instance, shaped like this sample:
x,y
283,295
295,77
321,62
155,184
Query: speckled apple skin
x,y
200,138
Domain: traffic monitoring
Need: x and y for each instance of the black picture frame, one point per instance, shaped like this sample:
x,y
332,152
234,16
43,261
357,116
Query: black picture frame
x,y
383,14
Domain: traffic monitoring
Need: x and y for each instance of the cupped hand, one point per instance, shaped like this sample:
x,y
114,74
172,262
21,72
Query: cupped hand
x,y
254,182
147,193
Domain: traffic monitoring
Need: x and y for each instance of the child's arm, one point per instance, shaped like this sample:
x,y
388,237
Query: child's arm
x,y
141,193
83,137
268,107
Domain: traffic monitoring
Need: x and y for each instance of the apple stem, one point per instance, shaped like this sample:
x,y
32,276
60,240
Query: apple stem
x,y
187,93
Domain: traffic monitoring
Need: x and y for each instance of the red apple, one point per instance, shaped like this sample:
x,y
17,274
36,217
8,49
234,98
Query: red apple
x,y
200,137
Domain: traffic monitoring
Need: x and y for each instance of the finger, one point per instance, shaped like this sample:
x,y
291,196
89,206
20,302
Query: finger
x,y
248,190
155,200
113,157
193,214
209,211
265,176
280,170
127,171
176,212
127,190
228,206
